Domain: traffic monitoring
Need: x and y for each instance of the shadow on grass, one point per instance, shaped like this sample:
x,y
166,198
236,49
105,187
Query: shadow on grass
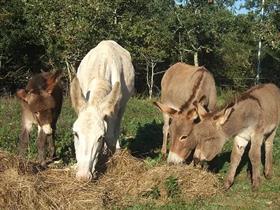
x,y
218,163
147,140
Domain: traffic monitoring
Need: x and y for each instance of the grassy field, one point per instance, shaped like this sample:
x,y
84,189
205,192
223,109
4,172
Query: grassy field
x,y
141,135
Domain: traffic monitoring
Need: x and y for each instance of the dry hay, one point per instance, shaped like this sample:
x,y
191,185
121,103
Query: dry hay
x,y
127,181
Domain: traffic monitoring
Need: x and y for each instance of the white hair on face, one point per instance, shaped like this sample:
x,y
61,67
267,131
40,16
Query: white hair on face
x,y
174,158
90,127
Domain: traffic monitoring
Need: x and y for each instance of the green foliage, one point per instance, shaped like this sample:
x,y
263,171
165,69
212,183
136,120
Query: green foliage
x,y
41,34
154,193
172,187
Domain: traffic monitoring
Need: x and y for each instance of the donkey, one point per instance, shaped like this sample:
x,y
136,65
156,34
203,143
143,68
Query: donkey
x,y
99,93
253,117
181,85
41,103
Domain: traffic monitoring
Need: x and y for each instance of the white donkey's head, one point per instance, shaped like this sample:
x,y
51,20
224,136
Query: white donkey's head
x,y
90,128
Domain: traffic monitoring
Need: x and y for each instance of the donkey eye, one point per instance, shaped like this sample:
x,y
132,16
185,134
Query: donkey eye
x,y
100,138
75,134
183,138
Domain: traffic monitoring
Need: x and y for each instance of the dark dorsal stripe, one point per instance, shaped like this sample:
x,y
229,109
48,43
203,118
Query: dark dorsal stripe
x,y
248,95
245,96
87,95
195,89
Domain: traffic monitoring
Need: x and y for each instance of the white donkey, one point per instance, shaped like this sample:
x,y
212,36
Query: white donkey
x,y
99,93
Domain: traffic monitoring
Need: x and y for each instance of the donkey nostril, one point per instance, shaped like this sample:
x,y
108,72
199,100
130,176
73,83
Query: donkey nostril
x,y
84,177
195,161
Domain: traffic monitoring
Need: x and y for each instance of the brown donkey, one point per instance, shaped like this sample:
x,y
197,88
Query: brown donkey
x,y
253,117
181,85
41,103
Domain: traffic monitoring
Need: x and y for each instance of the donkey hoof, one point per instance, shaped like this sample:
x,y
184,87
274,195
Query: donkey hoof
x,y
255,188
227,184
164,156
255,185
43,164
268,175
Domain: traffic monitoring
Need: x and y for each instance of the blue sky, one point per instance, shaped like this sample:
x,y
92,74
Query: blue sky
x,y
238,9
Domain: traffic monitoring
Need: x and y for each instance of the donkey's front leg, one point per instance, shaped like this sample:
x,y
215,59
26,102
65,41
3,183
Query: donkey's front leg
x,y
255,158
51,143
41,146
24,137
165,130
238,149
51,146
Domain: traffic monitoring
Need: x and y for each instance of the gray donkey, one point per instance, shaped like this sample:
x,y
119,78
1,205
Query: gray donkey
x,y
253,117
181,85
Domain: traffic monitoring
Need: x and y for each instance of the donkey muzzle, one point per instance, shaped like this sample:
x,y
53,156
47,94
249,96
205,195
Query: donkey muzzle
x,y
83,176
174,158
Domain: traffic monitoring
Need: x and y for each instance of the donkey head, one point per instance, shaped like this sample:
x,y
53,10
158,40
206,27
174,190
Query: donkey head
x,y
90,127
209,134
38,98
180,131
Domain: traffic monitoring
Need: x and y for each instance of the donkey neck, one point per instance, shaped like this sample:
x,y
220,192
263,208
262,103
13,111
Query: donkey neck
x,y
242,118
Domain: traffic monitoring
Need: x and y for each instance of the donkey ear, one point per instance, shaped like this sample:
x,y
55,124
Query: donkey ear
x,y
165,109
21,94
192,115
52,80
203,101
201,111
110,102
77,99
224,117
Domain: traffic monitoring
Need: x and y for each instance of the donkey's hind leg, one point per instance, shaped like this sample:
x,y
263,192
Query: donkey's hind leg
x,y
255,158
268,155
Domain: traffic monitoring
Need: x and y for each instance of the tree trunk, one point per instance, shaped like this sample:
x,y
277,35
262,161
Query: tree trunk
x,y
195,58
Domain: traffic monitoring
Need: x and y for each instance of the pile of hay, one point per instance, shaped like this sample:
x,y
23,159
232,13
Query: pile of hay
x,y
127,181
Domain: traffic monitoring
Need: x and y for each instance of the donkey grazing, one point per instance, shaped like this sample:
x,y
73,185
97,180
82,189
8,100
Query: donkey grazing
x,y
254,117
41,103
181,85
99,93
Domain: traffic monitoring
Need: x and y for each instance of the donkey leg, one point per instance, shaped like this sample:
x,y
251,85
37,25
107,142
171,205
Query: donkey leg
x,y
238,149
41,146
51,146
255,158
51,143
24,137
110,138
268,155
165,131
117,128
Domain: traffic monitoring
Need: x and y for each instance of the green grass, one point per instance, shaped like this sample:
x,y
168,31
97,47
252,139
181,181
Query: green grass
x,y
142,135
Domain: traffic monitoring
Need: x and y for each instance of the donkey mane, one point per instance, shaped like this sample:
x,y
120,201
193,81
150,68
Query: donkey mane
x,y
98,90
245,96
239,98
195,89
